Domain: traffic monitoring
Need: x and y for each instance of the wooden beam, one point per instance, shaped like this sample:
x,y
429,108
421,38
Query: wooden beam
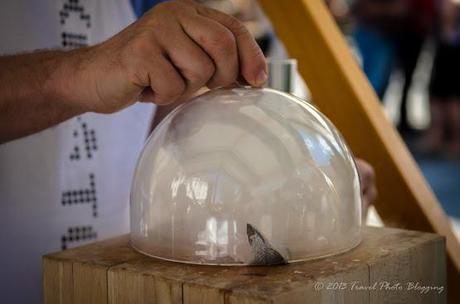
x,y
342,92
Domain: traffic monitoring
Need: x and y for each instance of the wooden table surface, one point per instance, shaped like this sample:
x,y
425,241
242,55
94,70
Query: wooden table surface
x,y
111,272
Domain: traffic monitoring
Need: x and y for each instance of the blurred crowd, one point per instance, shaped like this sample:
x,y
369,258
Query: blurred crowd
x,y
389,36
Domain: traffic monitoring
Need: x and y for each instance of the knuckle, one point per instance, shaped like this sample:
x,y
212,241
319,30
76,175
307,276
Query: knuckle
x,y
224,79
227,42
169,7
176,88
208,69
142,46
237,27
137,77
200,74
204,73
170,93
229,78
228,36
222,42
134,64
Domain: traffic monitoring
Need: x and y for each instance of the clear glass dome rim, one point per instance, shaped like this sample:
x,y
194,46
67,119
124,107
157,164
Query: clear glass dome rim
x,y
307,259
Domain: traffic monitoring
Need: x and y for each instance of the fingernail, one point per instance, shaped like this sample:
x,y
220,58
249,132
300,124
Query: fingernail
x,y
261,78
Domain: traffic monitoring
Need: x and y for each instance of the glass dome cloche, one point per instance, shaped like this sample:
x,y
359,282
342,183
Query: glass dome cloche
x,y
245,176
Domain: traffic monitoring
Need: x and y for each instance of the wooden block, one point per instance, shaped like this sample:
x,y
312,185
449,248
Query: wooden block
x,y
343,93
52,281
57,281
195,293
143,289
168,291
89,283
111,272
80,276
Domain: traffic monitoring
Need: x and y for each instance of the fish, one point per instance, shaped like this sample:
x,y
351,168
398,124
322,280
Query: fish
x,y
263,251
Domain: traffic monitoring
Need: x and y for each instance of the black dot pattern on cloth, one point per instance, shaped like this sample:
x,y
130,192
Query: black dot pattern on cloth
x,y
73,6
70,39
77,234
82,196
75,155
89,141
75,24
73,40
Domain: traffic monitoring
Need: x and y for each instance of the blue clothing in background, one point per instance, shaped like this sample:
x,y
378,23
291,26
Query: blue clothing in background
x,y
378,55
141,6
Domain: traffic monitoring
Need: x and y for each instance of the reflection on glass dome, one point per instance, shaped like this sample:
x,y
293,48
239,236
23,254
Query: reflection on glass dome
x,y
245,177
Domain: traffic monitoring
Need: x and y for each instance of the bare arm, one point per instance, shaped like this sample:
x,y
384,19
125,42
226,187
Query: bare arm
x,y
34,91
166,56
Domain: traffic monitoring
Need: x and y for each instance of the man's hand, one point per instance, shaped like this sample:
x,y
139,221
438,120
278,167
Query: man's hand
x,y
367,178
171,52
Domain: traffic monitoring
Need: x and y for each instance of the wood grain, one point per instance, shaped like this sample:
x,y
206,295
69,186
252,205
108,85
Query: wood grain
x,y
57,281
80,275
111,272
89,283
343,93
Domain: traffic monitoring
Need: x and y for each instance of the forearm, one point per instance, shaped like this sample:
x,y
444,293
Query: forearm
x,y
35,92
164,57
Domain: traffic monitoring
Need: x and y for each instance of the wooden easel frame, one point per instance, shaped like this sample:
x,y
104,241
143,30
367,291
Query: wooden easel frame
x,y
343,93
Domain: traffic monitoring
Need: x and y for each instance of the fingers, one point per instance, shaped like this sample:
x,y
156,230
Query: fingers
x,y
253,66
367,179
165,85
218,42
370,194
367,176
366,173
183,46
195,65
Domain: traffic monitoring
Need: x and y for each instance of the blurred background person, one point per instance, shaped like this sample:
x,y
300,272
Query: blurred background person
x,y
396,41
393,42
389,35
444,132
